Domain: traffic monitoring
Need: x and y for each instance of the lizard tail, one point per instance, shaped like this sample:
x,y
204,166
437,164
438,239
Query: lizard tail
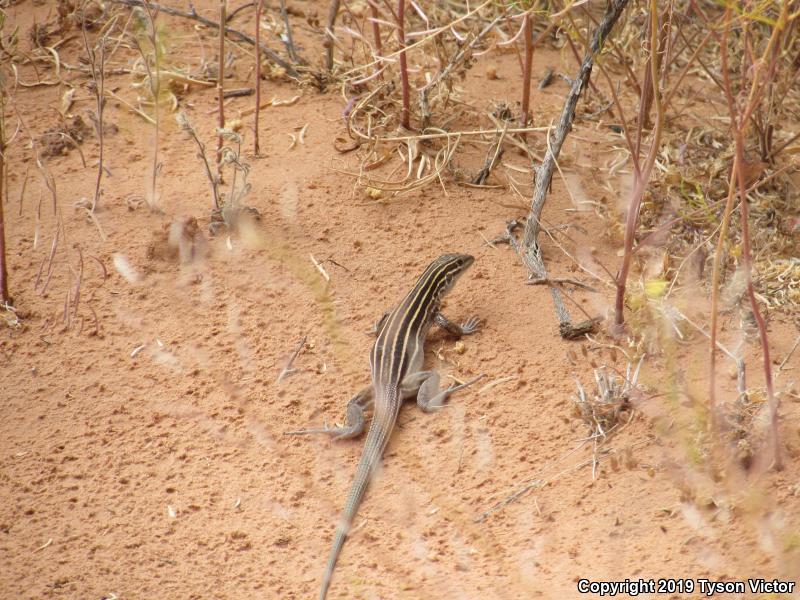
x,y
377,438
338,542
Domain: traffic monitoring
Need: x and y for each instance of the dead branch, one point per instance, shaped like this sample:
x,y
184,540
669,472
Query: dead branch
x,y
154,86
458,59
240,36
531,252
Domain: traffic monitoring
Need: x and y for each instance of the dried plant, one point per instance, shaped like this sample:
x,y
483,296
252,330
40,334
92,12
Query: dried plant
x,y
97,66
609,408
227,207
185,125
231,209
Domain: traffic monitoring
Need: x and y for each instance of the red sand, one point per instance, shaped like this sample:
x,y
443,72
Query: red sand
x,y
164,473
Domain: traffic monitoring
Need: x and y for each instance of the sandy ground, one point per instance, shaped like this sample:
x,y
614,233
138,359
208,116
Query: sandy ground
x,y
147,459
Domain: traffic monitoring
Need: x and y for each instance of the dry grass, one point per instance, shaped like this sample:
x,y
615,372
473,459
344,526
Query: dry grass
x,y
609,407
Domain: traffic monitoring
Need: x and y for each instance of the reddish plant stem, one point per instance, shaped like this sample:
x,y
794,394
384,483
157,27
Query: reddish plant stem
x,y
376,28
739,125
645,100
259,6
405,118
762,326
641,179
657,44
376,33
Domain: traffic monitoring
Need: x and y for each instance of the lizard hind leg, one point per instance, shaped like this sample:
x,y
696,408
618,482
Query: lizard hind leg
x,y
355,421
429,397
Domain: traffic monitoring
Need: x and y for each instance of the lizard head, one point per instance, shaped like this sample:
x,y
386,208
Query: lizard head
x,y
448,268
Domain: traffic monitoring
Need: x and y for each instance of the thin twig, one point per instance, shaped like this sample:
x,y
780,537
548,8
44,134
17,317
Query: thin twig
x,y
4,294
257,58
320,268
789,355
78,281
287,38
287,369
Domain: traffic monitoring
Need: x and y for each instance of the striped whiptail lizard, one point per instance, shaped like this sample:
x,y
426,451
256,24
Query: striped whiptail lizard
x,y
396,364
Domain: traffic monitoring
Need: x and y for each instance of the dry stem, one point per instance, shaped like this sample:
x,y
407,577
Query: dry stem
x,y
527,33
259,6
154,82
223,6
330,42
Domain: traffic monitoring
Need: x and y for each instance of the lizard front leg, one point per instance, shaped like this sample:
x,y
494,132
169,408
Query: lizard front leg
x,y
467,327
354,418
